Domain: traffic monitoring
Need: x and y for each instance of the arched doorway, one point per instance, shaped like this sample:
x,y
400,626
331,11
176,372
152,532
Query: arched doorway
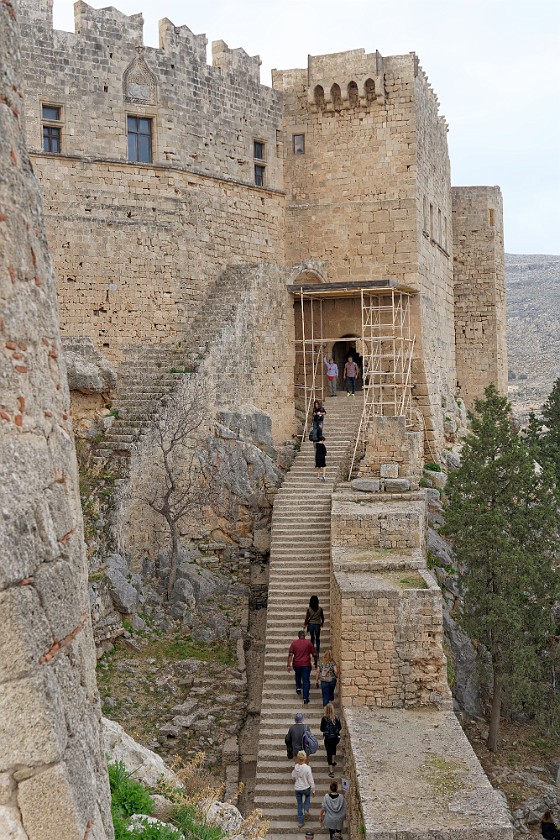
x,y
342,350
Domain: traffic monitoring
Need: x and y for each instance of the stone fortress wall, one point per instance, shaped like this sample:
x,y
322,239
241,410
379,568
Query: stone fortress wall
x,y
53,779
480,290
368,198
147,240
375,167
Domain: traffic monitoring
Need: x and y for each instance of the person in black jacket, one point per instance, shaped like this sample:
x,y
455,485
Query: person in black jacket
x,y
320,458
548,827
330,727
294,736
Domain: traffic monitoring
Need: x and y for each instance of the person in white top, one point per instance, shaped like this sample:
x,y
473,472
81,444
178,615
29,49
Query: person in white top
x,y
304,786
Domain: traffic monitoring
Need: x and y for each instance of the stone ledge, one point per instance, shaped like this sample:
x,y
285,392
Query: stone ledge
x,y
417,778
376,559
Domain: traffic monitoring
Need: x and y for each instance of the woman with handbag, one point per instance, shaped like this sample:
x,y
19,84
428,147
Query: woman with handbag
x,y
330,727
327,674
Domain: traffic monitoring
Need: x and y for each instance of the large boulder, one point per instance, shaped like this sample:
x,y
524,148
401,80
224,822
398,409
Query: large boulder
x,y
140,762
125,597
88,371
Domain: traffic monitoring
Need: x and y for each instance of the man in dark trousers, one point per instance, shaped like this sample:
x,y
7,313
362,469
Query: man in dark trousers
x,y
299,655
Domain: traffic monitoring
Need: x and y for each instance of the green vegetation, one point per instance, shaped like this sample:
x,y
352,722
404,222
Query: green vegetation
x,y
543,435
129,797
502,518
431,465
444,776
183,647
183,369
424,482
413,582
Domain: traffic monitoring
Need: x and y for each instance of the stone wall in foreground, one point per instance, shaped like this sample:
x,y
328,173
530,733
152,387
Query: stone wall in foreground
x,y
53,781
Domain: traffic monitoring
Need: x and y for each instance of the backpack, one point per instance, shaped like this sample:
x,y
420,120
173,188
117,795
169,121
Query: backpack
x,y
332,730
309,742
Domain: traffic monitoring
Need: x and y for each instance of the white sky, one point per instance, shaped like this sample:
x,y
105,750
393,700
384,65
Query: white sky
x,y
495,65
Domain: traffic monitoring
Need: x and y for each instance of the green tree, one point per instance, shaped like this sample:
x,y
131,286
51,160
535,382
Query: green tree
x,y
502,518
550,438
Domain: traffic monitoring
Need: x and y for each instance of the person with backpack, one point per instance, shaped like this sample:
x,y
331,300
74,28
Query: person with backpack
x,y
304,786
333,811
313,621
330,727
327,674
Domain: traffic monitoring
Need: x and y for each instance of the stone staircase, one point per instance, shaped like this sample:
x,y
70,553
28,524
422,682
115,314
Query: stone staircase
x,y
299,568
149,378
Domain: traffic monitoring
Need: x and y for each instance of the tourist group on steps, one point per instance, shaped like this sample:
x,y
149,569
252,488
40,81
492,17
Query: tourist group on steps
x,y
351,374
300,742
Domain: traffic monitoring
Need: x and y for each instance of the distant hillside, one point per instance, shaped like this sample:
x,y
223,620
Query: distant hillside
x,y
533,314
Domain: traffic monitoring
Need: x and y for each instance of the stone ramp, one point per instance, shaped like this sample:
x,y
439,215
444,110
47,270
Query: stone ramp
x,y
419,778
299,568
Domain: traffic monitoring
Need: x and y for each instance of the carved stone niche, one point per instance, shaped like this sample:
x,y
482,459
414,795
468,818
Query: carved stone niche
x,y
139,83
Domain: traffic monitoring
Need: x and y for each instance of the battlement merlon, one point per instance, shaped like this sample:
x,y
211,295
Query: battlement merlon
x,y
173,39
236,61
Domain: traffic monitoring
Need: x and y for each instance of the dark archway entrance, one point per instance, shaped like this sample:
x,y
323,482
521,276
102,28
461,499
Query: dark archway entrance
x,y
342,350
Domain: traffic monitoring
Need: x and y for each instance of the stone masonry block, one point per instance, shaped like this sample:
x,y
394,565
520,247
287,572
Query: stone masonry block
x,y
57,584
33,728
24,632
48,807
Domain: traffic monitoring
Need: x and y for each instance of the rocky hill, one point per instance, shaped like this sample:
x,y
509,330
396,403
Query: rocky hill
x,y
533,314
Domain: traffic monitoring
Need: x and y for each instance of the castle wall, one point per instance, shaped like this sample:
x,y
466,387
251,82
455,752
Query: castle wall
x,y
480,305
53,778
136,245
355,197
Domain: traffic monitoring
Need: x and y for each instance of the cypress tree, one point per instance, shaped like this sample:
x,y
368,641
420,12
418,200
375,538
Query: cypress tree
x,y
502,518
550,439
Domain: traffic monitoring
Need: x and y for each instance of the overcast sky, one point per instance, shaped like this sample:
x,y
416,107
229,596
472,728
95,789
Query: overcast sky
x,y
495,65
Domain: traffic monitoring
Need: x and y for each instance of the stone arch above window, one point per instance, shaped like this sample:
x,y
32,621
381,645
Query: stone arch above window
x,y
369,88
353,95
319,96
139,82
336,97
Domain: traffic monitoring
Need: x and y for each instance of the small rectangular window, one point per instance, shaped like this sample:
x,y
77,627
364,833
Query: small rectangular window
x,y
491,217
299,144
139,139
258,150
440,233
259,175
431,221
52,113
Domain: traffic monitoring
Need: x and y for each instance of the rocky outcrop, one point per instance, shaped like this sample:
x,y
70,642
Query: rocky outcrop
x,y
53,779
140,762
88,371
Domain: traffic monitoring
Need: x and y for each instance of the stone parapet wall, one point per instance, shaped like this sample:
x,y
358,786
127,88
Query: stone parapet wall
x,y
389,636
390,442
53,778
480,294
365,521
414,776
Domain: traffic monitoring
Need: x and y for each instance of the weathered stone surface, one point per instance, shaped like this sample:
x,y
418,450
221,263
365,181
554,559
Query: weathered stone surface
x,y
396,485
10,824
389,470
438,479
225,815
125,596
366,485
144,764
88,371
418,776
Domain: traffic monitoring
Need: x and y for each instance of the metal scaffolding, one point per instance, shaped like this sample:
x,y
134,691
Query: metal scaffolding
x,y
386,345
387,350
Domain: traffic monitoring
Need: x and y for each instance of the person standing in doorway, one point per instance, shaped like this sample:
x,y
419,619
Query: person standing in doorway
x,y
332,375
300,653
351,373
321,459
313,621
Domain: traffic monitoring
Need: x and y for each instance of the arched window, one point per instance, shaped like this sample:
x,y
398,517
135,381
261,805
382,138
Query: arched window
x,y
353,95
336,97
370,90
319,96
